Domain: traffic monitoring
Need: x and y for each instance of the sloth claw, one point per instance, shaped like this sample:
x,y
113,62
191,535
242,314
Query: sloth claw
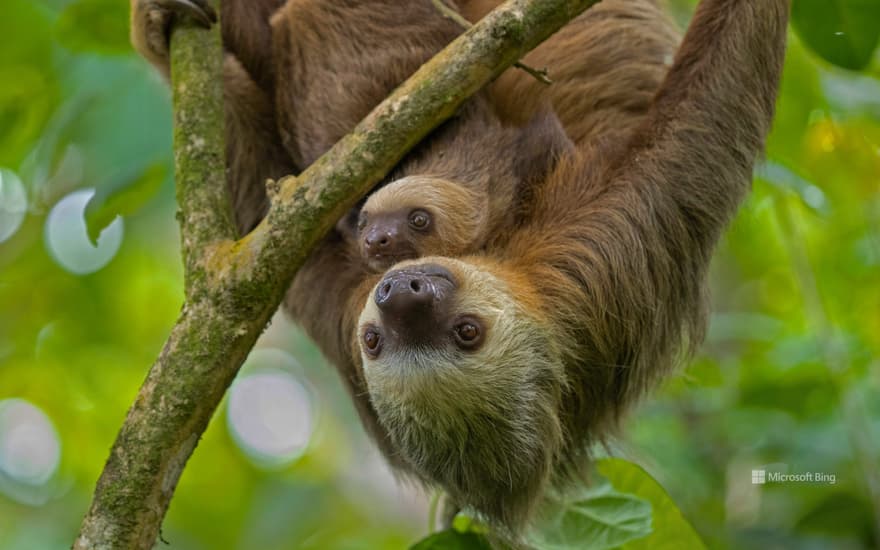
x,y
199,11
153,20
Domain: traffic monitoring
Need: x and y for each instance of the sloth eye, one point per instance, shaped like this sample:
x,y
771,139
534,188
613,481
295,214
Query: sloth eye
x,y
362,222
419,219
372,342
469,333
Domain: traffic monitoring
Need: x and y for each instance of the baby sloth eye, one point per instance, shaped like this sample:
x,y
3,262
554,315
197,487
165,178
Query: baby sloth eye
x,y
419,219
372,342
362,222
469,333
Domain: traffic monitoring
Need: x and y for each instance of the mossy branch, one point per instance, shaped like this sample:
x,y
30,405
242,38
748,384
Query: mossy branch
x,y
541,75
234,287
204,211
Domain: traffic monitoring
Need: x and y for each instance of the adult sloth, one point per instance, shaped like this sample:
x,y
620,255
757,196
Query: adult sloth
x,y
492,374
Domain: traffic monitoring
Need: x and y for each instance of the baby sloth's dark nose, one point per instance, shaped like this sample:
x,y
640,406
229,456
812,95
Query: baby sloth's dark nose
x,y
386,241
413,301
381,239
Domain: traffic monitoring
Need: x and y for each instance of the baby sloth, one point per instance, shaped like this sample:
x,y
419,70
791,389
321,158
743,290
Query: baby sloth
x,y
452,200
423,216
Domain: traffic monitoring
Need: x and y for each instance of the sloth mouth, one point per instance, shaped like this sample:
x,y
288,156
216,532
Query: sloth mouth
x,y
387,260
400,256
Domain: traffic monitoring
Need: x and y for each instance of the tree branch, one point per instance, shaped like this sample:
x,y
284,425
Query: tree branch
x,y
541,75
234,287
205,215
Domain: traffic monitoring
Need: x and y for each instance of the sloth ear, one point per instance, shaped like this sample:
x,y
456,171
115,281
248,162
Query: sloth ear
x,y
539,146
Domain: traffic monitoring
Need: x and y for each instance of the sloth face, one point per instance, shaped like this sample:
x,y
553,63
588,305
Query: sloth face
x,y
464,380
419,216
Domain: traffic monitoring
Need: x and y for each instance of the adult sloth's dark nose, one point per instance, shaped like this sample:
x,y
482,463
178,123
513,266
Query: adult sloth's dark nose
x,y
404,293
412,301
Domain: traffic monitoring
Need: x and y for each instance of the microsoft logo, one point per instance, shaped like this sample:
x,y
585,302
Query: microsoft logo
x,y
759,477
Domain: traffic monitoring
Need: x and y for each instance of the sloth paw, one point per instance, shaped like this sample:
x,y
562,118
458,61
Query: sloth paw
x,y
152,21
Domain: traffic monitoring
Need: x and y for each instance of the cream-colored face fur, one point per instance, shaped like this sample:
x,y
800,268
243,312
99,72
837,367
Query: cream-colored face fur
x,y
484,418
459,216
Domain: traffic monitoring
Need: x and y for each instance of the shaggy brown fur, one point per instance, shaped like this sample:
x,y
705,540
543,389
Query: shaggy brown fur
x,y
598,280
606,66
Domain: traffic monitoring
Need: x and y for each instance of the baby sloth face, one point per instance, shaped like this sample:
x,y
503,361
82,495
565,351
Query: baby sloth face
x,y
420,216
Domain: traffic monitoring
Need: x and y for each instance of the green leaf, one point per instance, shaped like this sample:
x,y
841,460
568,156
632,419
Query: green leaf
x,y
670,529
598,517
466,533
95,26
464,523
451,539
122,199
844,32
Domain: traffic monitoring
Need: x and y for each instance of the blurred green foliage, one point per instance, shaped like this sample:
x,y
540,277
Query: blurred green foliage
x,y
788,380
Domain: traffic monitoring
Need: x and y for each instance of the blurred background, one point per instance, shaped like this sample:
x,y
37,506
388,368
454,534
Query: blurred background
x,y
788,380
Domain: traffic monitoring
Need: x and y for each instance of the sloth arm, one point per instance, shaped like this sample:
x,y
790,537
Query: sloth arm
x,y
248,35
622,234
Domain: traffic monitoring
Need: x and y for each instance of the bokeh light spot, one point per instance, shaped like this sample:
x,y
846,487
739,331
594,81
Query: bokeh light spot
x,y
68,241
30,449
814,196
270,416
13,203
